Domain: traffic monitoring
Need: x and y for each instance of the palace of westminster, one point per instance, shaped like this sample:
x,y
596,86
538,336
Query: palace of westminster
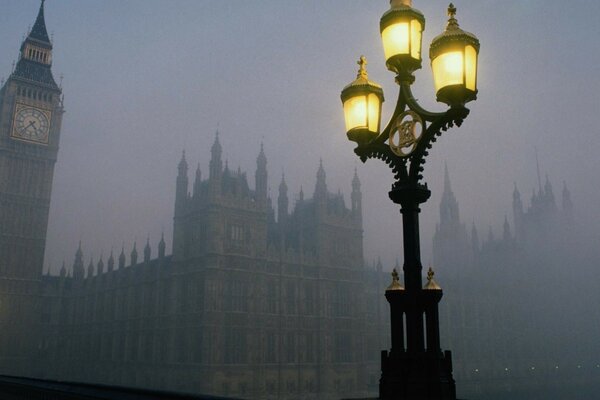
x,y
254,301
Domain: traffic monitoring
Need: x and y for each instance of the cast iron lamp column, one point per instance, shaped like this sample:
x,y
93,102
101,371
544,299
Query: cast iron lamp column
x,y
414,368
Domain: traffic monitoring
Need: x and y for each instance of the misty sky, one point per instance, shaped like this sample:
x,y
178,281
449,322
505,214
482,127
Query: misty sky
x,y
144,79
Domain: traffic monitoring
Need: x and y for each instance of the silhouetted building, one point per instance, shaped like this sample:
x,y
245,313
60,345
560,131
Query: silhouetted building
x,y
30,120
503,292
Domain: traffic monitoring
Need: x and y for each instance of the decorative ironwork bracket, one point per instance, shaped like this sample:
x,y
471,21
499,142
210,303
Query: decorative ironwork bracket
x,y
408,168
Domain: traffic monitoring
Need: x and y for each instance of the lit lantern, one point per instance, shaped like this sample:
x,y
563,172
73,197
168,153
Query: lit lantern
x,y
401,32
362,100
454,63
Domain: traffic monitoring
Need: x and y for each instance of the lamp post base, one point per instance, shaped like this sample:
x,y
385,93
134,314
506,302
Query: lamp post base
x,y
416,376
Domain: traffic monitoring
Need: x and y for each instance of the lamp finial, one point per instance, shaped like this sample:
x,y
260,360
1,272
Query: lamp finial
x,y
452,22
362,70
395,285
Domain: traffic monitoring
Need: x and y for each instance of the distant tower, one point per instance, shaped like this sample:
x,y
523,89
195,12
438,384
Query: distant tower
x,y
216,164
78,269
111,262
30,122
261,177
197,181
448,205
181,187
356,197
122,258
181,194
321,186
147,251
282,203
134,255
161,247
517,213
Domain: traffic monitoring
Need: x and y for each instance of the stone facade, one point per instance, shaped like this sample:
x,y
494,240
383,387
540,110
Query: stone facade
x,y
30,120
247,305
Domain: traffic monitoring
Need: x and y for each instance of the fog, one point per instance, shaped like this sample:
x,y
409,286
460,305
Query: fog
x,y
144,80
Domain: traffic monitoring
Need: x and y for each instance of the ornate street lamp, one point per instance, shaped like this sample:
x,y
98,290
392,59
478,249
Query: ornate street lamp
x,y
415,367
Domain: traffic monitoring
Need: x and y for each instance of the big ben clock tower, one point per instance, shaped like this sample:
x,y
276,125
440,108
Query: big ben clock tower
x,y
30,119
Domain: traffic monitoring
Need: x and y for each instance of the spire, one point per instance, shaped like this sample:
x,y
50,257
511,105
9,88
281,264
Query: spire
x,y
100,266
447,185
197,181
321,185
474,239
261,160
301,194
39,31
261,176
537,166
506,230
134,254
282,201
161,246
448,205
356,196
216,165
63,270
147,251
90,270
122,257
111,262
183,165
181,186
78,269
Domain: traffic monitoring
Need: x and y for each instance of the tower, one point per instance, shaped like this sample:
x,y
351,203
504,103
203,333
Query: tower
x,y
356,197
261,177
30,120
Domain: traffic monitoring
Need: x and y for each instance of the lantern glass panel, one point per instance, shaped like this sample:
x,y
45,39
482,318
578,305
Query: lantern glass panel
x,y
374,110
448,69
471,68
396,39
415,37
355,111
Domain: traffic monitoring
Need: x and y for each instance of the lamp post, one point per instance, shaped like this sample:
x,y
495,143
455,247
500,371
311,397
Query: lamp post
x,y
415,367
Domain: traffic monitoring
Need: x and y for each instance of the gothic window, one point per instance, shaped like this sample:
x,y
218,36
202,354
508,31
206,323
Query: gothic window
x,y
197,346
290,297
341,302
343,347
271,298
290,347
236,296
270,347
235,346
309,299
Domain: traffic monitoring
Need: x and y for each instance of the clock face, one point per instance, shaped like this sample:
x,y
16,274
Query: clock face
x,y
31,124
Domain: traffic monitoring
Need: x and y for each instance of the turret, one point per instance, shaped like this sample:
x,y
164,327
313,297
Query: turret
x,y
122,258
321,186
474,240
147,251
78,270
90,270
216,165
181,189
506,230
549,194
356,197
517,211
282,202
448,205
261,176
100,266
63,270
134,255
111,262
161,246
197,181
